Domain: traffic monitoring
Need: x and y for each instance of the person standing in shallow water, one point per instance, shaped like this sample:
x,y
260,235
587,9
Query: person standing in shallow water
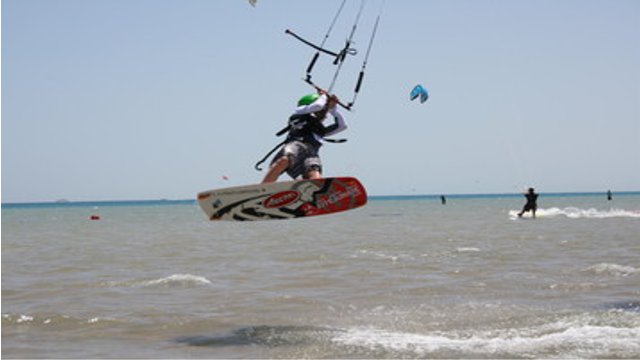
x,y
531,205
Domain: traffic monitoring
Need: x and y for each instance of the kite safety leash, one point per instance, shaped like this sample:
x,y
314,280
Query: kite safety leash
x,y
275,148
257,165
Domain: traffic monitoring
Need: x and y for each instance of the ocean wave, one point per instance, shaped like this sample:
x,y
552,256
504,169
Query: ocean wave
x,y
178,280
57,320
565,339
175,280
467,249
382,255
612,269
577,213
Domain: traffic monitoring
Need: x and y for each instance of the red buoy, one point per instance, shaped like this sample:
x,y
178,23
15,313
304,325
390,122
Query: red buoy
x,y
95,217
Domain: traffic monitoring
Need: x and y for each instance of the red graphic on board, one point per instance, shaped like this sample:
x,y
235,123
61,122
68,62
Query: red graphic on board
x,y
281,199
343,194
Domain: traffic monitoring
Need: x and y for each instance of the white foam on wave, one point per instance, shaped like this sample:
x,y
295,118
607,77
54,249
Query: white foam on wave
x,y
52,320
382,255
24,318
563,339
467,249
172,280
577,213
612,269
178,279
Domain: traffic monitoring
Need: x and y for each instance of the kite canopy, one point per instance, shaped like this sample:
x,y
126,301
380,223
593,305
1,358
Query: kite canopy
x,y
419,91
253,2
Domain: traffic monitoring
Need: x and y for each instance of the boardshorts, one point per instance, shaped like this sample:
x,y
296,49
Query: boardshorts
x,y
303,157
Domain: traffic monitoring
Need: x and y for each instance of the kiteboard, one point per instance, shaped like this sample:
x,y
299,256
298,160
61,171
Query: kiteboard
x,y
283,200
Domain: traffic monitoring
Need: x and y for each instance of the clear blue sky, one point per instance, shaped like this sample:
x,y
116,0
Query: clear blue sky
x,y
151,99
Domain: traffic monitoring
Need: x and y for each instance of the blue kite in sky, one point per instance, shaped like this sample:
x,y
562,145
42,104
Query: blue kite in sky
x,y
419,91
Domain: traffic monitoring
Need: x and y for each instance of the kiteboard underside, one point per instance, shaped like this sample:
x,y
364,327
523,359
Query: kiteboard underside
x,y
283,200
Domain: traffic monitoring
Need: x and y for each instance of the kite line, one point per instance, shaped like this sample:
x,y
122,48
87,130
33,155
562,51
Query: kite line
x,y
340,56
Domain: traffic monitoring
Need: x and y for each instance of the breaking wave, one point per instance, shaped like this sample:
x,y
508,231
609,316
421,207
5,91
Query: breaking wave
x,y
577,213
608,333
175,280
565,338
612,269
55,320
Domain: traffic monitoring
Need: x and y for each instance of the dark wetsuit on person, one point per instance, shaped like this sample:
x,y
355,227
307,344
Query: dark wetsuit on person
x,y
305,135
531,204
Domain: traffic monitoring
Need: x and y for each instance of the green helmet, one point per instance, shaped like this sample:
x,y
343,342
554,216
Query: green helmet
x,y
308,99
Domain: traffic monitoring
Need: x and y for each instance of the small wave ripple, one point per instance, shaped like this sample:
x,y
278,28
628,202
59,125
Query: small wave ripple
x,y
175,280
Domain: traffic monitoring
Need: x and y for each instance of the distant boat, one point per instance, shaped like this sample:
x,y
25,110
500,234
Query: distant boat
x,y
62,201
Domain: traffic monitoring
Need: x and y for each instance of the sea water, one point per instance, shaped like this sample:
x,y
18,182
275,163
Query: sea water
x,y
400,278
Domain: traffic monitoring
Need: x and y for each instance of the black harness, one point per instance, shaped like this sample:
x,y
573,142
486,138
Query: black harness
x,y
302,127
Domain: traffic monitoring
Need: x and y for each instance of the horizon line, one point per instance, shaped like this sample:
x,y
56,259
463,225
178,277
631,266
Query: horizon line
x,y
372,197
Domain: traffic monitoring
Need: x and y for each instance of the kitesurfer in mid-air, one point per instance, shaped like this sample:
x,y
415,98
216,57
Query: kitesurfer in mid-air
x,y
299,155
531,204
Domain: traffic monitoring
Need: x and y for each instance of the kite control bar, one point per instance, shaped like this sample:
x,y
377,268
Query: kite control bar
x,y
321,90
304,41
340,56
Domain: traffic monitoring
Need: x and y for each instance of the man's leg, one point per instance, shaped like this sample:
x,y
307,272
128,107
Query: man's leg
x,y
276,169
